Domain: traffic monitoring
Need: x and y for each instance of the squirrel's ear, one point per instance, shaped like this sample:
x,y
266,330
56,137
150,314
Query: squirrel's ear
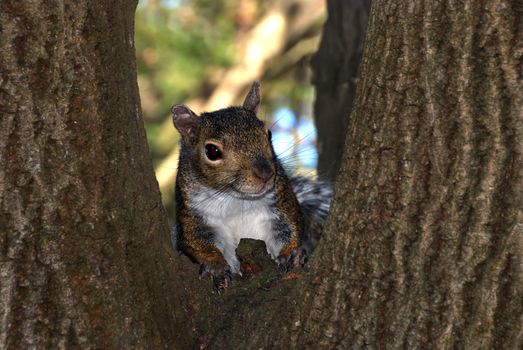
x,y
252,101
186,122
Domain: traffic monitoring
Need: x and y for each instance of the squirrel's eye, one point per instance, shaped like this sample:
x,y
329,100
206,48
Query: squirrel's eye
x,y
212,152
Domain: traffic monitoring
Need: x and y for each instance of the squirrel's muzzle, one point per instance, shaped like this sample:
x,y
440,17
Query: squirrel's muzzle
x,y
262,169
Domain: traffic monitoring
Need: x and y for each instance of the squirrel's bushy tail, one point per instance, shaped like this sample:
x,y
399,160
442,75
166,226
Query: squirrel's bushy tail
x,y
314,198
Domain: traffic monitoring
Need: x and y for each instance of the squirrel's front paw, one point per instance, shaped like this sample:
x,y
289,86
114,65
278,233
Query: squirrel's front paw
x,y
220,273
214,268
297,258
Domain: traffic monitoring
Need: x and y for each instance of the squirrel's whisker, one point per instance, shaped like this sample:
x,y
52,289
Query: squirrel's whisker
x,y
236,188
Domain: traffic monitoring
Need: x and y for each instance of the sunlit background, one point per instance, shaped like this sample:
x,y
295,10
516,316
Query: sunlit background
x,y
206,53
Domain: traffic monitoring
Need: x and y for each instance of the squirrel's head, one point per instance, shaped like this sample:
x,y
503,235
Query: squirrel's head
x,y
230,149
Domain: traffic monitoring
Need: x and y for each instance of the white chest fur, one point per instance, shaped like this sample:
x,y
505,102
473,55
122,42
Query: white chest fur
x,y
232,219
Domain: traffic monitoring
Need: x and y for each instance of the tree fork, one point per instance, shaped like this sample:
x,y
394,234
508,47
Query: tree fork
x,y
423,246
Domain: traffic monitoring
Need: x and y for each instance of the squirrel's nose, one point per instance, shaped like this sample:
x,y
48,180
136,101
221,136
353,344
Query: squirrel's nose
x,y
263,169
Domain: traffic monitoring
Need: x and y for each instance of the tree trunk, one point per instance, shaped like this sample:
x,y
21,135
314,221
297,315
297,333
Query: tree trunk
x,y
335,69
424,245
84,241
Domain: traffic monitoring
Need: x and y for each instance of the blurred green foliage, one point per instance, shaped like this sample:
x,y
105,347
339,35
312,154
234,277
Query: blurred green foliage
x,y
177,48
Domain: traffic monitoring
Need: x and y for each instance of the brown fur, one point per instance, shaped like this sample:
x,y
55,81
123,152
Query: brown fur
x,y
247,167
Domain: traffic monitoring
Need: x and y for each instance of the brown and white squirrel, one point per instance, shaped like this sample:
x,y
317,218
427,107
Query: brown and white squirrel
x,y
231,185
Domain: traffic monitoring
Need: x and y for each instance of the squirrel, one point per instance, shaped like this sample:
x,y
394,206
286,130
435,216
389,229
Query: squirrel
x,y
231,185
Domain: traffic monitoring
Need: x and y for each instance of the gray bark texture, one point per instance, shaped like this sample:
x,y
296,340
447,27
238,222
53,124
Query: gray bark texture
x,y
335,72
424,245
85,260
423,248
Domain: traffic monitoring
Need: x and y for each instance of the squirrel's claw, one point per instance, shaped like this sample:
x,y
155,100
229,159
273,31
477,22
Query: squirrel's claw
x,y
221,275
213,269
297,258
221,282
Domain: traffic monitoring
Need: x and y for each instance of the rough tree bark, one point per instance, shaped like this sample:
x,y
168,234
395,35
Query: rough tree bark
x,y
84,244
335,68
424,246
